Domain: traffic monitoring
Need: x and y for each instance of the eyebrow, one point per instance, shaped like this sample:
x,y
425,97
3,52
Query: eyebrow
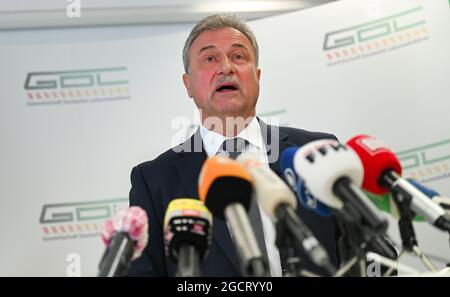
x,y
213,47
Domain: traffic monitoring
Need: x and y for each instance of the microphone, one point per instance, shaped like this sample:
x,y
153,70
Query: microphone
x,y
333,173
310,201
226,188
126,236
280,204
382,172
187,234
350,215
297,185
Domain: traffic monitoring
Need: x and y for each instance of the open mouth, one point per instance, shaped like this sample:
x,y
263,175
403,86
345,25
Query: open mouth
x,y
227,88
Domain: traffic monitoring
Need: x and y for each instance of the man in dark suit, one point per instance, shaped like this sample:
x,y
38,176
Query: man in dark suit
x,y
222,76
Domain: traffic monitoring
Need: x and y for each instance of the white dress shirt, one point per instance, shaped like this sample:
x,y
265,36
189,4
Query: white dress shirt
x,y
212,142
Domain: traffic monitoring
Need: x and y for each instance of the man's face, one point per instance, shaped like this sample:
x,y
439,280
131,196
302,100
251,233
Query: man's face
x,y
223,77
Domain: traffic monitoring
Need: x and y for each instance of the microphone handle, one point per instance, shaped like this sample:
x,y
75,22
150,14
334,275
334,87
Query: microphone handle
x,y
245,240
303,238
403,201
345,189
188,261
117,256
407,232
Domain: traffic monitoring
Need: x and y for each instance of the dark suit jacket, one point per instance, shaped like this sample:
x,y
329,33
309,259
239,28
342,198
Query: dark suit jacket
x,y
175,175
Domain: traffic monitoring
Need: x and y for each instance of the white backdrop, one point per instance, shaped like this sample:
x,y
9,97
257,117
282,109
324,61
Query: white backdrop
x,y
66,156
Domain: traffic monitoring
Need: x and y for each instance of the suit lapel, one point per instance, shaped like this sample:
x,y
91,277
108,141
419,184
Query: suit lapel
x,y
276,142
189,164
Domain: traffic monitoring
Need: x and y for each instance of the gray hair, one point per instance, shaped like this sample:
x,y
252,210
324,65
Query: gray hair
x,y
215,22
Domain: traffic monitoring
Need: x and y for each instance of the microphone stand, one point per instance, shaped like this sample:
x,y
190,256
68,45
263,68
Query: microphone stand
x,y
407,232
358,240
286,246
290,239
351,241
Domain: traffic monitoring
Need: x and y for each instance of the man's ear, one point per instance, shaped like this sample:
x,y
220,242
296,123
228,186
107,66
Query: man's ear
x,y
258,73
187,84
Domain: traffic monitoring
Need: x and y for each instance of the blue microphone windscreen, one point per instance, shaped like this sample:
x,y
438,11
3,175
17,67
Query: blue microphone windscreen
x,y
297,184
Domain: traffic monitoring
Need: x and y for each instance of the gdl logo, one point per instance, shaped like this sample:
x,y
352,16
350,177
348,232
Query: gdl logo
x,y
75,78
77,86
77,219
377,29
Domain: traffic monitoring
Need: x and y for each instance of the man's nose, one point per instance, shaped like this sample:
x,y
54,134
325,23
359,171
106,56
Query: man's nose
x,y
226,67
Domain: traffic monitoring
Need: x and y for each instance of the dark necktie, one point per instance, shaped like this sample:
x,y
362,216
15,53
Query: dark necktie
x,y
234,148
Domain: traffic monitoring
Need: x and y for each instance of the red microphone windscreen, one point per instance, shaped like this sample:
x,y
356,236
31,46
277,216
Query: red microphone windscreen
x,y
376,157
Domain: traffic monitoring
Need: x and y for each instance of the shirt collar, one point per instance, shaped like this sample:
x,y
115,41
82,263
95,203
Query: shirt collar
x,y
213,141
